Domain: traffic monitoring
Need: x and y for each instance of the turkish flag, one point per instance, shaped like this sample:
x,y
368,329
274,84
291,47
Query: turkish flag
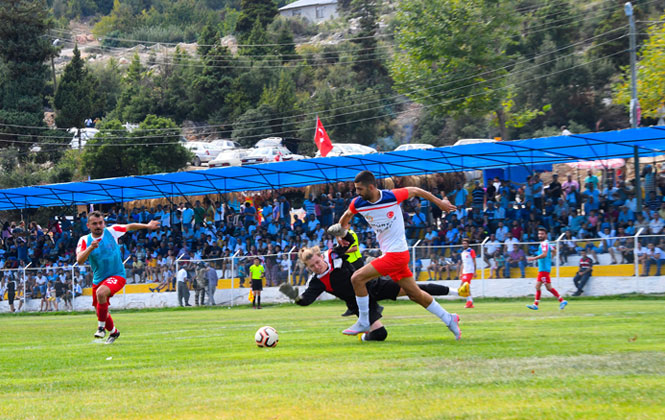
x,y
321,139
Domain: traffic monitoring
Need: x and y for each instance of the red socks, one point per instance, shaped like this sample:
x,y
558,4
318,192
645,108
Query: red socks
x,y
109,322
537,298
556,294
102,311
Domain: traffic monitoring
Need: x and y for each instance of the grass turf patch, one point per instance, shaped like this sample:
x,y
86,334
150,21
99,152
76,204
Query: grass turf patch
x,y
596,359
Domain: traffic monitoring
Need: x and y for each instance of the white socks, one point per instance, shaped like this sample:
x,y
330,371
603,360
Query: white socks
x,y
363,309
101,324
437,310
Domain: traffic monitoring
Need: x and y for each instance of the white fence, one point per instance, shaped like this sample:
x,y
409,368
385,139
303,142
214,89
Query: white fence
x,y
425,258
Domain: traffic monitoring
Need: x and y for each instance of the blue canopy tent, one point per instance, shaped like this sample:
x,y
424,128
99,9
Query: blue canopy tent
x,y
650,141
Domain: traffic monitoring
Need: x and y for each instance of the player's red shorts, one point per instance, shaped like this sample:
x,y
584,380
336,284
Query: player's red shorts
x,y
393,264
467,277
115,283
544,277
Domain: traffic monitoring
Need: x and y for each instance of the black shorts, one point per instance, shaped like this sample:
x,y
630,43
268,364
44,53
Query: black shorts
x,y
10,297
381,289
257,284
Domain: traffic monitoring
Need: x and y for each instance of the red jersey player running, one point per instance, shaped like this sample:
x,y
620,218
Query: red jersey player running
x,y
101,249
468,269
544,267
381,209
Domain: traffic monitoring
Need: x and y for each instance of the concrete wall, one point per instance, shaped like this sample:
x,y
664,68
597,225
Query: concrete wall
x,y
515,287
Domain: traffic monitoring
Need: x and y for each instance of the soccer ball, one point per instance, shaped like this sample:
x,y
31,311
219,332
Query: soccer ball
x,y
266,337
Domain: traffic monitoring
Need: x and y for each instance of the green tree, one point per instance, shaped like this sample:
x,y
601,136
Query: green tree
x,y
368,63
254,124
135,101
256,42
281,35
73,98
151,149
251,10
282,97
24,50
452,55
650,75
211,85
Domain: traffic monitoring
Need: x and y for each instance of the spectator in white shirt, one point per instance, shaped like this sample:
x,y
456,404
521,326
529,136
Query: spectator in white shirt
x,y
491,247
510,242
656,225
502,232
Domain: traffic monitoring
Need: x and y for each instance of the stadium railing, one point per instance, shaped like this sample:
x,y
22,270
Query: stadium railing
x,y
628,253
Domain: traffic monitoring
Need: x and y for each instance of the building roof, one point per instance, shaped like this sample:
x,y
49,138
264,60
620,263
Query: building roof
x,y
649,141
304,3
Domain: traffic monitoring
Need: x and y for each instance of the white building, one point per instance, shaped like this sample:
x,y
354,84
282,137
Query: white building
x,y
312,10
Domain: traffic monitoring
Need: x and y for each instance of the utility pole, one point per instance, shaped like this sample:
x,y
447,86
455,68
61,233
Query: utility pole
x,y
634,103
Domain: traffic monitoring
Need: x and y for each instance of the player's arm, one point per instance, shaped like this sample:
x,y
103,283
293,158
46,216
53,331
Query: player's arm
x,y
152,225
345,220
84,250
313,291
542,255
444,205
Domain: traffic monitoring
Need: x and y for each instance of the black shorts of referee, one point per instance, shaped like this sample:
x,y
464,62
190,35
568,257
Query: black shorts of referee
x,y
257,284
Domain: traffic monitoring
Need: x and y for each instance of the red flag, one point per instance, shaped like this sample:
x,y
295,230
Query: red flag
x,y
321,139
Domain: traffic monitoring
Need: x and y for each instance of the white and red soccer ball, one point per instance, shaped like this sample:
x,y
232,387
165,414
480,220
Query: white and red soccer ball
x,y
266,337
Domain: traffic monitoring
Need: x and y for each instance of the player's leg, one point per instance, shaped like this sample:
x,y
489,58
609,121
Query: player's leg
x,y
537,299
465,289
416,294
552,290
106,289
359,281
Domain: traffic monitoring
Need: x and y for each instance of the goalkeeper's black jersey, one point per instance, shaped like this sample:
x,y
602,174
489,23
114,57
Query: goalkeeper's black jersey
x,y
336,281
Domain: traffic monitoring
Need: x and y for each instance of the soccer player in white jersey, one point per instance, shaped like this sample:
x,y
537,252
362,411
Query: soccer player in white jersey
x,y
100,248
381,209
467,269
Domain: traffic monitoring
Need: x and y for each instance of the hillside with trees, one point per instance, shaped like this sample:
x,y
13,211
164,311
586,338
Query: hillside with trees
x,y
382,73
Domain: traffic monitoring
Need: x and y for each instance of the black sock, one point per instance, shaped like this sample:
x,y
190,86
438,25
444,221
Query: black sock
x,y
254,301
435,289
379,334
259,300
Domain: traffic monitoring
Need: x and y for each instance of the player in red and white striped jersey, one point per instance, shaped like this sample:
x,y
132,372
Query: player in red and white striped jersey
x,y
467,269
381,209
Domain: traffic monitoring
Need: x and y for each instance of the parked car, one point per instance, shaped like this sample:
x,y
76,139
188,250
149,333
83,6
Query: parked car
x,y
343,149
413,146
473,141
269,154
291,143
86,134
229,157
224,144
203,152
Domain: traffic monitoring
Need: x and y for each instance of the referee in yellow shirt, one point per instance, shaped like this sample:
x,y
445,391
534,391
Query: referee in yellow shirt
x,y
353,255
257,273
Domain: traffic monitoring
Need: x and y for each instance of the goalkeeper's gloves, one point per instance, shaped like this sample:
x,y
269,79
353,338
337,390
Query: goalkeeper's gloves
x,y
288,291
337,230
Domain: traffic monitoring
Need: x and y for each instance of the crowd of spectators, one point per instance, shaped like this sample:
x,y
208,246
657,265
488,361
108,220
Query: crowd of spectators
x,y
230,233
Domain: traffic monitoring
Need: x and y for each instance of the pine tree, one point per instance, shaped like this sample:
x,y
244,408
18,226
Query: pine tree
x,y
24,50
251,10
73,98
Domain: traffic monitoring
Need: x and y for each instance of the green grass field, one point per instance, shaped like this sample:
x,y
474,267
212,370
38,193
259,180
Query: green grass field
x,y
597,359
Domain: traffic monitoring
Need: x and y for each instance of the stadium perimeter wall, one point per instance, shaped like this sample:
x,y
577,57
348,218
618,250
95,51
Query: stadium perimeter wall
x,y
513,287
